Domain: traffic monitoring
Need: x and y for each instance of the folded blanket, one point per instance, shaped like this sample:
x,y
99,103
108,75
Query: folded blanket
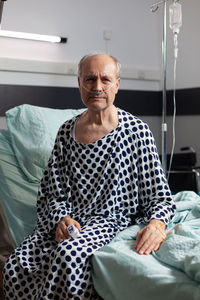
x,y
181,249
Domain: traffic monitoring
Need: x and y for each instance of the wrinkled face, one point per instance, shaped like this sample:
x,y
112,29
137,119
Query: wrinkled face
x,y
98,83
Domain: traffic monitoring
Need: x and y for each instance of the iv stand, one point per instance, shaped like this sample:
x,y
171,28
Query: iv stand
x,y
154,8
164,108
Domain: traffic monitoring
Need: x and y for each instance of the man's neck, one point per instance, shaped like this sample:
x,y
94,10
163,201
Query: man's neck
x,y
102,117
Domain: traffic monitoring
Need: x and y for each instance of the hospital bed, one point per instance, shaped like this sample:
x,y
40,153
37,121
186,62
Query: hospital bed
x,y
119,273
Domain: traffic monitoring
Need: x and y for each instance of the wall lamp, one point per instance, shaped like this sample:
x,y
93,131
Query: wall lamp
x,y
32,36
28,36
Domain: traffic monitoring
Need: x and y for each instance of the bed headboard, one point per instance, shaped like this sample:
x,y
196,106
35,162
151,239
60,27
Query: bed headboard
x,y
136,102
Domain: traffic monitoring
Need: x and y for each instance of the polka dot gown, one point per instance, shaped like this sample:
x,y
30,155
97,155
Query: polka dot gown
x,y
105,186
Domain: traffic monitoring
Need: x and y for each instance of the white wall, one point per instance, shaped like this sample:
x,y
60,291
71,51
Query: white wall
x,y
136,34
83,23
136,37
133,28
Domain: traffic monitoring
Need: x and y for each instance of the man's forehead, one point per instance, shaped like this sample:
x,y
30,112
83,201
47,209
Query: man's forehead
x,y
100,60
99,67
97,73
103,58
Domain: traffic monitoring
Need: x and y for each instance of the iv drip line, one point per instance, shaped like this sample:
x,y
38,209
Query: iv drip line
x,y
174,120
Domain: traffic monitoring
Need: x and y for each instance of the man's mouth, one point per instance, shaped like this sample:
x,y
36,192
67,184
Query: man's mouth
x,y
97,97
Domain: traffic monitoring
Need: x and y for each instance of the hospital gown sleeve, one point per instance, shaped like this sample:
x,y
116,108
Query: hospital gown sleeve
x,y
155,200
54,200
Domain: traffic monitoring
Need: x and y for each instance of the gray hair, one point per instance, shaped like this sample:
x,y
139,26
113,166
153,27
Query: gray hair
x,y
84,58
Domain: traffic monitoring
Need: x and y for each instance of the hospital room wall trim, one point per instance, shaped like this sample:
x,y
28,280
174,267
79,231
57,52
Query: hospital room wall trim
x,y
65,68
138,102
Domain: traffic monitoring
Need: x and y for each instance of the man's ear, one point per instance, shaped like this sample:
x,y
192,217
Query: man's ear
x,y
79,83
117,85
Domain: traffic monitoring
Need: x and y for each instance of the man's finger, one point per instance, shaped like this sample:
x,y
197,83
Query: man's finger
x,y
63,227
78,226
59,236
150,241
145,237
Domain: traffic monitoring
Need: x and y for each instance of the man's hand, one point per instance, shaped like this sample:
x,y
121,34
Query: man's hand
x,y
150,237
61,230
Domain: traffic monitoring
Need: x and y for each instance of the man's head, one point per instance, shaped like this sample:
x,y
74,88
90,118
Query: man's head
x,y
98,78
84,59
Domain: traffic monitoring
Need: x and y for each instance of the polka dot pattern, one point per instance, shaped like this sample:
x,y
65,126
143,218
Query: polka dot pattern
x,y
106,186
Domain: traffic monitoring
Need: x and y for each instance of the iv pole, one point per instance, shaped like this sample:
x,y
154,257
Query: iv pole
x,y
164,108
154,8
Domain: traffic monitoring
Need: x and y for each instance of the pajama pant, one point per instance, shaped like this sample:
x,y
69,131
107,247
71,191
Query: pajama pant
x,y
43,269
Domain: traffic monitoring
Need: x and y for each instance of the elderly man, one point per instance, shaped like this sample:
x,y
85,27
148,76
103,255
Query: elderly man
x,y
103,175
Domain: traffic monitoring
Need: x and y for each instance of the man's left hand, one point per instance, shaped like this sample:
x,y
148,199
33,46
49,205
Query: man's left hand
x,y
150,237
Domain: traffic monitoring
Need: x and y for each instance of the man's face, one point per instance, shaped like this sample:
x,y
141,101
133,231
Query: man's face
x,y
98,83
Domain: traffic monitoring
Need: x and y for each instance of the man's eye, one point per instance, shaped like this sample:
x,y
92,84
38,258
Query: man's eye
x,y
106,79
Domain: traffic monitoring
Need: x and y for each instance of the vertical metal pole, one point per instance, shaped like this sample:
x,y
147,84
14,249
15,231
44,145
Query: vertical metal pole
x,y
164,106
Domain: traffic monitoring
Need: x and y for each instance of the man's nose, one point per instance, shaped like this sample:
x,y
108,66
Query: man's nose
x,y
98,85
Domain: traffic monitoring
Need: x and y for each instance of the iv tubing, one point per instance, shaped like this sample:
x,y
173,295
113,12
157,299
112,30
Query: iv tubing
x,y
174,101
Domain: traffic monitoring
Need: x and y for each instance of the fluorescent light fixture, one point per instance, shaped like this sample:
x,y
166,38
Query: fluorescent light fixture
x,y
32,36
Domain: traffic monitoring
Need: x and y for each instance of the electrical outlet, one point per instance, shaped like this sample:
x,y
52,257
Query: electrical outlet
x,y
141,74
70,69
107,35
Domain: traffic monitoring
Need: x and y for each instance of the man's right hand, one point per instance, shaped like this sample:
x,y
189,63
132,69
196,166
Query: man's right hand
x,y
61,230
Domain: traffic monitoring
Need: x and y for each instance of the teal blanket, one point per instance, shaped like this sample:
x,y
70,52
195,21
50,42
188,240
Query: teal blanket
x,y
182,246
120,273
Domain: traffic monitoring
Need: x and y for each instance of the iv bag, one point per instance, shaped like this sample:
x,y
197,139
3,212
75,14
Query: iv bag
x,y
175,17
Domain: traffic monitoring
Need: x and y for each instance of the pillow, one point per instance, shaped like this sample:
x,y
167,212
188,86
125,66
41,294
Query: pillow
x,y
33,130
3,123
17,195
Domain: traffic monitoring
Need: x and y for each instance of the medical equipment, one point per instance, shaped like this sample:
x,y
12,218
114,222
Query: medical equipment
x,y
154,8
73,231
175,22
175,14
